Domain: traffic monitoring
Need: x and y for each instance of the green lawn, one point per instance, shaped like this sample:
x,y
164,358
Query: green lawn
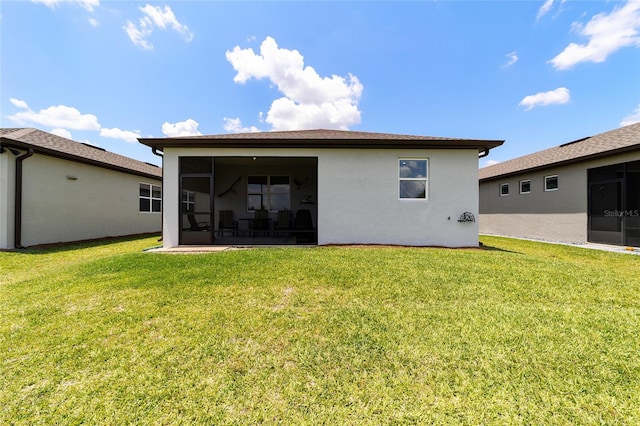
x,y
516,333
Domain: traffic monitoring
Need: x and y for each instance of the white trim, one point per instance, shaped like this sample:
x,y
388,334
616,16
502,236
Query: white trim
x,y
425,179
500,189
557,183
151,198
523,181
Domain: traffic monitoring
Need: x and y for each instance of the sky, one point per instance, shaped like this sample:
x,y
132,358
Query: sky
x,y
533,73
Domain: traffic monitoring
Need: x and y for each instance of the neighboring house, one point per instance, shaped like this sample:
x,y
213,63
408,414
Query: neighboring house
x,y
53,189
360,188
582,191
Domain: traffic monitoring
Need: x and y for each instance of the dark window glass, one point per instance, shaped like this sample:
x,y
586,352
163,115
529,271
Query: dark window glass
x,y
145,190
413,169
550,183
413,189
412,174
255,202
268,193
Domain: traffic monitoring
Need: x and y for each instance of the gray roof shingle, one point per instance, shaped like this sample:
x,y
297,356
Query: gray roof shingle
x,y
623,139
57,146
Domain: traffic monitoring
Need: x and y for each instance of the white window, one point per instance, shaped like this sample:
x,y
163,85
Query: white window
x,y
150,198
271,193
525,186
504,189
413,179
551,183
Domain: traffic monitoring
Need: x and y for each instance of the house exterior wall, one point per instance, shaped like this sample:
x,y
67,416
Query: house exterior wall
x,y
358,200
100,203
559,215
7,187
357,195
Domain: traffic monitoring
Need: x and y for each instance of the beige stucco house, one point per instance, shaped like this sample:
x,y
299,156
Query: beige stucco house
x,y
357,188
582,191
53,190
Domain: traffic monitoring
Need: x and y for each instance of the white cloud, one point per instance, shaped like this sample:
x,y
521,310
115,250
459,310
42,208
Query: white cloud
x,y
155,17
87,4
61,117
62,132
632,118
286,114
125,135
234,125
18,103
138,35
554,97
546,7
188,127
606,34
310,101
513,58
164,18
94,22
490,163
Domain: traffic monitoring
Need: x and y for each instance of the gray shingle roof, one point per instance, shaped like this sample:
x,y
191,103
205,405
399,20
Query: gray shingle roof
x,y
57,146
623,139
319,138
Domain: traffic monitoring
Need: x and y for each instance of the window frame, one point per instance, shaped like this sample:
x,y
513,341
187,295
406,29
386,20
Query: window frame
x,y
150,198
546,183
406,179
525,181
503,185
267,195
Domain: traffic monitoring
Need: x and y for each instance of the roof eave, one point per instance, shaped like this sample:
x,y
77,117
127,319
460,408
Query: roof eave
x,y
162,143
563,162
62,155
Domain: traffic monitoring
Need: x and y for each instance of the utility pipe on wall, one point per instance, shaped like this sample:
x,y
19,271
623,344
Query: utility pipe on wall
x,y
18,199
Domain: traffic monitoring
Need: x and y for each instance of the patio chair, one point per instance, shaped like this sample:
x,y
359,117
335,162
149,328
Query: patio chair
x,y
194,225
227,222
260,223
283,223
303,227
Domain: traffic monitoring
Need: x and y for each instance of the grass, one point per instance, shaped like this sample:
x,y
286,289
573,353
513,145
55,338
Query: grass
x,y
517,333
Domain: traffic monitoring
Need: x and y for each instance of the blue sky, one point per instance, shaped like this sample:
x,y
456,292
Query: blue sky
x,y
535,73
